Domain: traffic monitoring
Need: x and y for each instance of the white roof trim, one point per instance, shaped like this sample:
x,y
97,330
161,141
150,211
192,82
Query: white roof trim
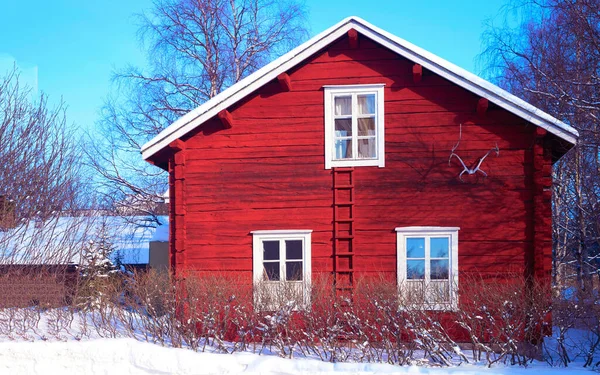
x,y
400,46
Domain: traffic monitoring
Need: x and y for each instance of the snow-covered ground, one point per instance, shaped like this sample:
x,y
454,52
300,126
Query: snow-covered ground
x,y
60,343
128,356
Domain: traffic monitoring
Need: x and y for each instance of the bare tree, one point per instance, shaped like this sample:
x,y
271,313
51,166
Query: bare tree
x,y
39,170
40,185
548,52
195,50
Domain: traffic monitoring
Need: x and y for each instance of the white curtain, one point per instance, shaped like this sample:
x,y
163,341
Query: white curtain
x,y
343,127
343,105
366,104
367,148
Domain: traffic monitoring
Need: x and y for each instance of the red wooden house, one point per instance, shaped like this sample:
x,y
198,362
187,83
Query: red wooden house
x,y
343,156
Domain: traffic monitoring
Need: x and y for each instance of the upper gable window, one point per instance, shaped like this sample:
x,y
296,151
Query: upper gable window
x,y
354,126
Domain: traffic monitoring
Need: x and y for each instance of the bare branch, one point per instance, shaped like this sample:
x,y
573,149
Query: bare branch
x,y
195,50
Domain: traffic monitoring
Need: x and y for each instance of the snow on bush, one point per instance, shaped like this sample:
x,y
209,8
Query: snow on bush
x,y
498,322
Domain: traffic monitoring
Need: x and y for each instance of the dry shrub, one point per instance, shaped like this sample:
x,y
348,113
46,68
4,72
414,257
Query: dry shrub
x,y
326,323
385,335
279,310
147,302
403,326
504,317
576,321
213,310
195,311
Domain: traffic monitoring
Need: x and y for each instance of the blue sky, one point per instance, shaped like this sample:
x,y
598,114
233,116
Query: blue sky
x,y
70,48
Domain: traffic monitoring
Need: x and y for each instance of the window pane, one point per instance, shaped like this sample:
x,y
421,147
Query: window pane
x,y
439,247
271,250
271,271
343,149
366,126
367,149
293,271
415,247
415,269
293,249
343,127
343,105
439,269
438,292
414,291
366,104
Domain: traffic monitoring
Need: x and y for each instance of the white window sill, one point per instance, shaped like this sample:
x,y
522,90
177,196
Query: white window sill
x,y
355,163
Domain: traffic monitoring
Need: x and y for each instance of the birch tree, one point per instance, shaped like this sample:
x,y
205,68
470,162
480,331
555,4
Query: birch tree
x,y
195,49
548,52
40,179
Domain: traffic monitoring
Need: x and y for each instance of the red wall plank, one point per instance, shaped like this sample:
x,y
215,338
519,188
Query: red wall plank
x,y
267,172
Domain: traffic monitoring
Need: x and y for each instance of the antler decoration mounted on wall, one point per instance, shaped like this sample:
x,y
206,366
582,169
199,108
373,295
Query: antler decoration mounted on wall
x,y
465,168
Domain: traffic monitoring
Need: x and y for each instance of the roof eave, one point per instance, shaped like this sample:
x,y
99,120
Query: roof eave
x,y
437,65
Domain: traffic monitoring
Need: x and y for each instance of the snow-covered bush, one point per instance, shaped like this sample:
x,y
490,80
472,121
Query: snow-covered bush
x,y
501,320
576,335
505,317
324,329
95,270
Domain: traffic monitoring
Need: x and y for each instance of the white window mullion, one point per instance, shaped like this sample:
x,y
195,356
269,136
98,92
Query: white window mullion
x,y
427,261
377,109
331,120
282,260
354,126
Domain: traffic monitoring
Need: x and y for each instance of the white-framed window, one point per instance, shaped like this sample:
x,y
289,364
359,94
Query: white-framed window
x,y
354,126
428,265
281,266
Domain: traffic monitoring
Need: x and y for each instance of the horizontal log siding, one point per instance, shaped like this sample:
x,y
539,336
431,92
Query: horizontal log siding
x,y
267,171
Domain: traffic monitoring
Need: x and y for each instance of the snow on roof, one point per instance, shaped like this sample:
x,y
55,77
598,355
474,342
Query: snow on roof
x,y
434,63
61,240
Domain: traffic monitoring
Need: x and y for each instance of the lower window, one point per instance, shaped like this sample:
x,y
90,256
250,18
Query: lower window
x,y
428,266
281,268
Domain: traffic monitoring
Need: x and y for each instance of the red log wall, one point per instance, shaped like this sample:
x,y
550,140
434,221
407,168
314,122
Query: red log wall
x,y
267,172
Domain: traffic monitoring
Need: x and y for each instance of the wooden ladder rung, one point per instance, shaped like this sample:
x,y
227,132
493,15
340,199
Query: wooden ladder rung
x,y
344,184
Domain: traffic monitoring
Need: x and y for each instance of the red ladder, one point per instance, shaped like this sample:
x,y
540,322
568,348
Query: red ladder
x,y
343,230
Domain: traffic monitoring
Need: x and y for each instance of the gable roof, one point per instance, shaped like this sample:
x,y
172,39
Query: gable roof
x,y
429,61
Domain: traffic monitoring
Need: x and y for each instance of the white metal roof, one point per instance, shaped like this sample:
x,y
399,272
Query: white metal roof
x,y
61,240
408,50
